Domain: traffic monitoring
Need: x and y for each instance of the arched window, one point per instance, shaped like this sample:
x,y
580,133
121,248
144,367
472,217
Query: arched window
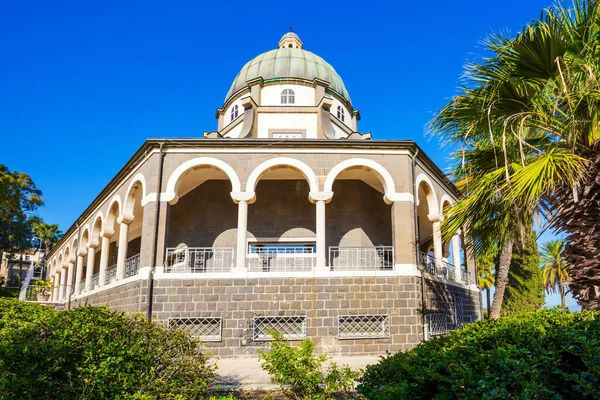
x,y
234,112
340,113
288,97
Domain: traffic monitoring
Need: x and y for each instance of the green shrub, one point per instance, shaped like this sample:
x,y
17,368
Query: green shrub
x,y
549,354
301,375
94,353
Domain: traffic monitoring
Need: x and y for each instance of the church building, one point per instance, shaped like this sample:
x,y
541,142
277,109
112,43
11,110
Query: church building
x,y
286,217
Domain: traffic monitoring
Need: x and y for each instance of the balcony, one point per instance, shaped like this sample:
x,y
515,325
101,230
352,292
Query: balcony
x,y
111,274
374,258
443,269
199,259
280,258
132,265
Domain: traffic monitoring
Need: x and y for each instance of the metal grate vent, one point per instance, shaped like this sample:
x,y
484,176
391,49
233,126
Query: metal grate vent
x,y
206,329
363,326
438,324
292,328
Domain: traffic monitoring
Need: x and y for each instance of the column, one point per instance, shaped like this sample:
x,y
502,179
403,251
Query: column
x,y
456,256
242,229
404,236
91,258
55,287
122,251
321,235
78,273
70,279
61,291
103,260
437,239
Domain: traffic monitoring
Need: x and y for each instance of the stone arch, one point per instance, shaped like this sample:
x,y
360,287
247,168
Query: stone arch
x,y
443,201
85,239
432,201
138,182
114,211
97,227
74,243
171,193
380,171
264,167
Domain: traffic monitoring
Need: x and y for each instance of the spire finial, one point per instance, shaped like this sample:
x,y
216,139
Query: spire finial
x,y
291,29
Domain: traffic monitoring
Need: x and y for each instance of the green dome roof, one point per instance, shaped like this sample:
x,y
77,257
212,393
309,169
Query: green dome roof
x,y
289,63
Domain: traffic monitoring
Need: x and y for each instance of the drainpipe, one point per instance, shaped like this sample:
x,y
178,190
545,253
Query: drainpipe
x,y
417,242
156,226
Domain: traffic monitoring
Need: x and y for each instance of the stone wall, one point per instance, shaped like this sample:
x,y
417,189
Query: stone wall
x,y
131,298
321,300
442,298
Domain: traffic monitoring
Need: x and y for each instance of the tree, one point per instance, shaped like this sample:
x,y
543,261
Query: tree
x,y
19,198
525,292
49,234
555,271
539,95
485,274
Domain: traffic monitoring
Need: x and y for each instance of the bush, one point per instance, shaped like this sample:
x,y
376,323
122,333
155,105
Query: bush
x,y
547,354
301,374
91,352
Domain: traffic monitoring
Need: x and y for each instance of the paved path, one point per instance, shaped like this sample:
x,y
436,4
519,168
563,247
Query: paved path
x,y
246,373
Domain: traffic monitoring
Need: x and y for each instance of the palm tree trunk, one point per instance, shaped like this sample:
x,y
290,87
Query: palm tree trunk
x,y
563,297
502,278
489,301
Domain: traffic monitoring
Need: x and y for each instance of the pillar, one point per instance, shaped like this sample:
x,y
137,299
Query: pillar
x,y
242,229
456,256
55,287
437,239
122,250
70,279
91,259
78,273
61,291
103,260
403,233
321,235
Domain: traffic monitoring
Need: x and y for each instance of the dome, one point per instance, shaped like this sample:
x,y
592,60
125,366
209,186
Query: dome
x,y
288,62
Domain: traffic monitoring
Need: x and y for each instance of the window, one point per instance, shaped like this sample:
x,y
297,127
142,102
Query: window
x,y
292,328
206,329
288,96
340,113
281,256
234,112
286,135
363,326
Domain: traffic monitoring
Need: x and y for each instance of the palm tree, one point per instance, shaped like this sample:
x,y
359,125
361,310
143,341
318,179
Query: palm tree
x,y
48,233
485,274
538,97
555,269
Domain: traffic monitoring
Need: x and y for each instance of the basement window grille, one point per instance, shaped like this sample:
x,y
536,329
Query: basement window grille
x,y
292,328
363,326
206,329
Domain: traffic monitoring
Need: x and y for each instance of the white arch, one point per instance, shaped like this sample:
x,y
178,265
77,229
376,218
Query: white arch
x,y
380,171
129,196
110,218
95,234
445,199
171,195
82,245
260,170
432,201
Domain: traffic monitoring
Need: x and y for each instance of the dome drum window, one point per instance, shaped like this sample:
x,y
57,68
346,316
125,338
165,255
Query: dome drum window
x,y
340,113
234,112
288,96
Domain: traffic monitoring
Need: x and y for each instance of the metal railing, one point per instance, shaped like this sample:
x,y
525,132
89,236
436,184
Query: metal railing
x,y
95,281
292,328
132,265
356,258
47,294
82,286
111,274
438,324
363,326
281,258
445,270
199,259
207,329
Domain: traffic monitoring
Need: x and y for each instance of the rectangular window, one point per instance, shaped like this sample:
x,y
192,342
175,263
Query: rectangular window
x,y
292,328
287,135
206,329
363,326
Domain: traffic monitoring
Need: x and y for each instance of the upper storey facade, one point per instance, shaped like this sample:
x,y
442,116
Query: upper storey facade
x,y
288,93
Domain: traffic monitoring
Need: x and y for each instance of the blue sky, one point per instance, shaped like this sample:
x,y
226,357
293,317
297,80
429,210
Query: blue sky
x,y
84,83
